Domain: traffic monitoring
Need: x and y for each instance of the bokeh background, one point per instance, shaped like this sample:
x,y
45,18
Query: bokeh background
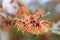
x,y
52,13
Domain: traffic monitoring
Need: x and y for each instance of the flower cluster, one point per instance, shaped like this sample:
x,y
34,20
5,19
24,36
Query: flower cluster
x,y
33,25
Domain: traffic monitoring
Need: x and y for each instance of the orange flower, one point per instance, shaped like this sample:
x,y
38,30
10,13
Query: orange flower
x,y
22,11
33,27
32,23
6,25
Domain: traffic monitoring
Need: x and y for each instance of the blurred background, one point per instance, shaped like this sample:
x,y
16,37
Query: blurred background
x,y
52,13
